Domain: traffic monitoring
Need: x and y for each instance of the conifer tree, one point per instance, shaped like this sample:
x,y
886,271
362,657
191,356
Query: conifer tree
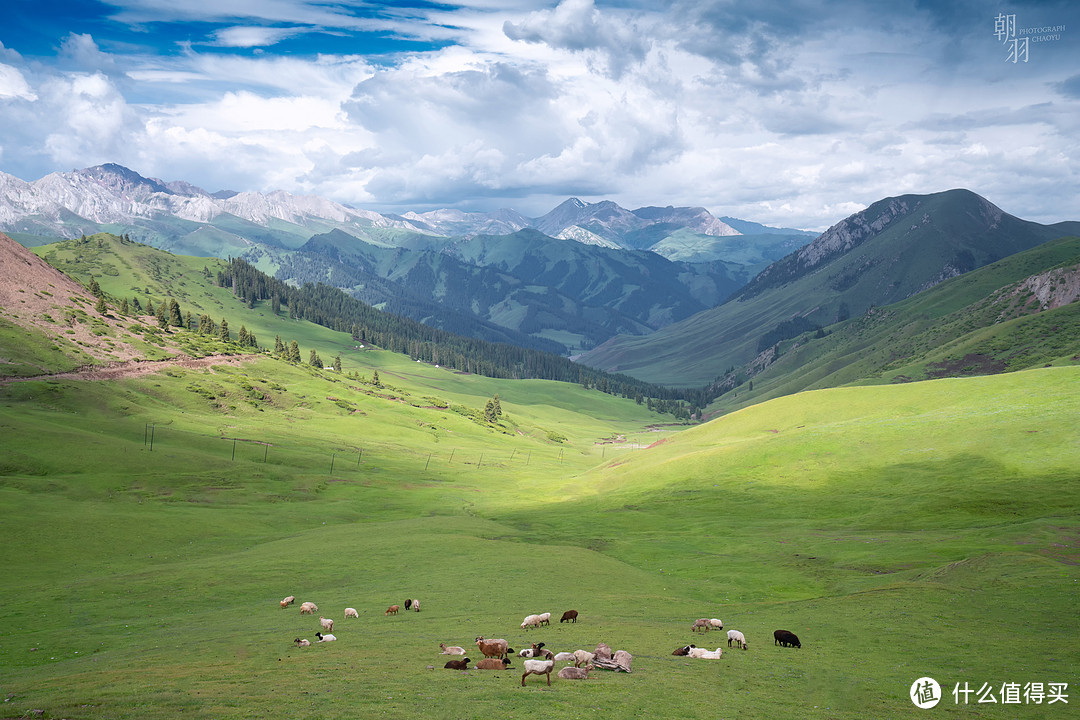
x,y
99,306
136,305
176,319
242,336
314,360
337,363
294,352
279,347
93,288
125,309
150,307
375,379
223,333
497,405
162,315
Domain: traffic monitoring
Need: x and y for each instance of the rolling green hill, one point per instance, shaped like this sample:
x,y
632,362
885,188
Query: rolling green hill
x,y
157,519
893,250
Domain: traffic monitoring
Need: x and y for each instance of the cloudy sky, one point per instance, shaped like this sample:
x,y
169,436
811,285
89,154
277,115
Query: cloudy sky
x,y
788,112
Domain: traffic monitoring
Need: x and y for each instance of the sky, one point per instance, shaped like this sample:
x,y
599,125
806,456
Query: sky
x,y
792,113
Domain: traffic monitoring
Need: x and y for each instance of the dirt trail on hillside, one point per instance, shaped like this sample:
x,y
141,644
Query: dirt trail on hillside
x,y
135,368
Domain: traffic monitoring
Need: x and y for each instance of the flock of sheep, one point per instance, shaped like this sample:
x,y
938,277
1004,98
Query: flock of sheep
x,y
537,659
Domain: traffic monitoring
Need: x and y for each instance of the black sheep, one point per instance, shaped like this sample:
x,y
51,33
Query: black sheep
x,y
786,638
458,664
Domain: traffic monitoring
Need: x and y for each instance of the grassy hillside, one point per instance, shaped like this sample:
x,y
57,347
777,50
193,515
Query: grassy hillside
x,y
928,528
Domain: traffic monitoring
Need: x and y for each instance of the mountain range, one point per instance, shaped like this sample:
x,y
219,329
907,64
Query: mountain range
x,y
563,282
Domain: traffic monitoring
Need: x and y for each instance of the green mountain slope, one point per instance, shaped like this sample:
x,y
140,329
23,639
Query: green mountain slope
x,y
896,248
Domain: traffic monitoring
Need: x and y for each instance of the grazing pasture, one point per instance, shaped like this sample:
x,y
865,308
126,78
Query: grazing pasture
x,y
929,529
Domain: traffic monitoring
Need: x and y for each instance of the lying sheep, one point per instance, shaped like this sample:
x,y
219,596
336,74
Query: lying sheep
x,y
706,654
325,638
308,608
392,610
530,621
452,650
569,616
497,647
327,624
564,656
302,643
288,601
457,664
351,613
683,651
537,651
538,667
494,664
737,637
575,673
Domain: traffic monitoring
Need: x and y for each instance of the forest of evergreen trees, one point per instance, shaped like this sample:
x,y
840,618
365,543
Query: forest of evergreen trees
x,y
335,309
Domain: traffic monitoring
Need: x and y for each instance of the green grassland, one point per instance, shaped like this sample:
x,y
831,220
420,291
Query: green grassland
x,y
153,524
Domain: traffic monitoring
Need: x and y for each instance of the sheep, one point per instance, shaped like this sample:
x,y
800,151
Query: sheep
x,y
537,651
452,650
327,624
302,643
564,656
325,638
416,605
545,618
458,664
786,638
583,657
408,604
706,654
288,601
351,613
738,638
392,610
701,624
575,673
683,651
569,616
494,664
715,624
530,621
496,647
538,667
308,608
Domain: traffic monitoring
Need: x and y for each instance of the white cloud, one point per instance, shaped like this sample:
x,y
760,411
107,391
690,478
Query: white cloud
x,y
13,85
253,36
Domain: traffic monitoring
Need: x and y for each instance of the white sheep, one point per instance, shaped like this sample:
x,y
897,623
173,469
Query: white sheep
x,y
545,618
452,650
325,638
706,654
583,657
738,638
302,643
564,656
308,608
530,621
351,613
538,667
416,605
327,624
575,673
288,601
716,624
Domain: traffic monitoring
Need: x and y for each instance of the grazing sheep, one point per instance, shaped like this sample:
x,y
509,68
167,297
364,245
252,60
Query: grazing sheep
x,y
288,601
538,667
738,638
325,638
569,616
408,604
583,657
452,650
458,664
327,624
715,624
530,621
575,673
683,651
392,610
308,608
493,664
302,643
706,654
701,624
545,618
351,613
416,605
786,638
564,656
497,647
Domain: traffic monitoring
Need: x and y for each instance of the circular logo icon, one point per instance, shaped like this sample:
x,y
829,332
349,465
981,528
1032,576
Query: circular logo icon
x,y
925,692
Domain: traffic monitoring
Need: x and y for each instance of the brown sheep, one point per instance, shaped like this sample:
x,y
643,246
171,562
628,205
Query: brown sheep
x,y
457,664
493,664
309,608
569,616
288,601
497,648
392,610
575,673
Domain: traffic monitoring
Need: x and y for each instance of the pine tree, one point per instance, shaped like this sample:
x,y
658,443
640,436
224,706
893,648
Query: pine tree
x,y
489,411
136,305
150,307
337,363
279,347
100,306
223,332
125,309
93,288
294,352
375,379
497,405
176,319
162,315
314,360
242,336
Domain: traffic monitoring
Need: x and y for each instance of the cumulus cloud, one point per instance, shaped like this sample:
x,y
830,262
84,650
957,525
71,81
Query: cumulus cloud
x,y
13,85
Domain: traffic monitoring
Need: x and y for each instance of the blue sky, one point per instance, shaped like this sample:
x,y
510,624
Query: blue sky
x,y
793,113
